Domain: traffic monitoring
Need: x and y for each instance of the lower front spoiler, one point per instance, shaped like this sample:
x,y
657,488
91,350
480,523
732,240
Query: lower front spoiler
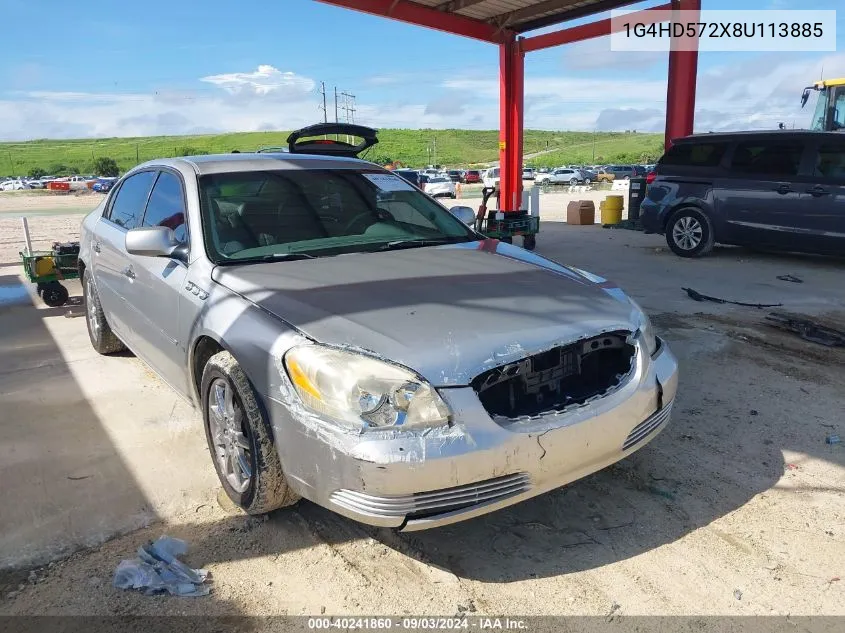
x,y
437,508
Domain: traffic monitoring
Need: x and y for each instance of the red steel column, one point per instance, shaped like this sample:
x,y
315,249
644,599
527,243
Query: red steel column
x,y
511,91
514,145
680,90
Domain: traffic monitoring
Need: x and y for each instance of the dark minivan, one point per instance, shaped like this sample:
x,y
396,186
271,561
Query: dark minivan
x,y
779,190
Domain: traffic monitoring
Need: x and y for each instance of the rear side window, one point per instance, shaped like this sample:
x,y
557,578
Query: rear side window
x,y
767,158
830,162
694,155
128,207
167,205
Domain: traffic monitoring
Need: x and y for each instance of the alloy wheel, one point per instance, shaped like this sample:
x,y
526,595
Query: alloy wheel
x,y
231,446
687,233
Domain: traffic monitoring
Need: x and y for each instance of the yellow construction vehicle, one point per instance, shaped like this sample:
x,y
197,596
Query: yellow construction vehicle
x,y
829,115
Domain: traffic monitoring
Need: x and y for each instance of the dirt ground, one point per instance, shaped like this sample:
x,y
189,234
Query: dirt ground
x,y
737,508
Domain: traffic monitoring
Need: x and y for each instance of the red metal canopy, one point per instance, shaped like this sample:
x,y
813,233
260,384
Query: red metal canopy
x,y
502,22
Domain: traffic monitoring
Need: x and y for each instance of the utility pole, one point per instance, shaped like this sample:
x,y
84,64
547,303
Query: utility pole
x,y
323,93
335,104
594,146
348,107
435,152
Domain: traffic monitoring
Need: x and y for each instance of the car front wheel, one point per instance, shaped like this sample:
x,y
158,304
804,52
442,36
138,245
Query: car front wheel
x,y
103,340
689,233
240,440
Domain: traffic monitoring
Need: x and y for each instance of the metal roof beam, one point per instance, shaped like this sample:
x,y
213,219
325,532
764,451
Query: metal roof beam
x,y
588,31
572,14
532,11
453,6
413,13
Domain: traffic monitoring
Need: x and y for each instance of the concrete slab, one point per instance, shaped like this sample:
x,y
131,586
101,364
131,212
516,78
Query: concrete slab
x,y
91,446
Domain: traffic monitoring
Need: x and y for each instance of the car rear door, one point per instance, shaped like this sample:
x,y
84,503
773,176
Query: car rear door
x,y
110,262
824,217
761,194
157,289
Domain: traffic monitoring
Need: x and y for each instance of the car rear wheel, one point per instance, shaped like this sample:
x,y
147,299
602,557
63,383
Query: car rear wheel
x,y
103,340
689,233
240,440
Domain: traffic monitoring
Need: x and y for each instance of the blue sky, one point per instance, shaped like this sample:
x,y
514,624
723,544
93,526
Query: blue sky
x,y
105,68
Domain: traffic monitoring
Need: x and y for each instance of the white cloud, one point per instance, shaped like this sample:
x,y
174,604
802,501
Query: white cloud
x,y
264,80
596,55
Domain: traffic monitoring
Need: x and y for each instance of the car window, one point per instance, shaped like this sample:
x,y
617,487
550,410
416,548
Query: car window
x,y
830,162
319,213
694,154
128,205
167,205
767,158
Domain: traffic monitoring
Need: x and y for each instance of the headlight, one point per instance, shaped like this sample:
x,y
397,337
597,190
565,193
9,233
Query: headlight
x,y
361,390
645,328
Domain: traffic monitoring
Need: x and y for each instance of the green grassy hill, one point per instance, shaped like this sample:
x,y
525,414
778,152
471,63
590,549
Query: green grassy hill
x,y
411,147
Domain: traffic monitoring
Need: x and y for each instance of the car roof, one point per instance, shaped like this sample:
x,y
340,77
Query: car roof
x,y
254,161
756,134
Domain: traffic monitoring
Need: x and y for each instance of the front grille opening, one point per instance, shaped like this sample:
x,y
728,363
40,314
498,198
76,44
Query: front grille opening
x,y
558,378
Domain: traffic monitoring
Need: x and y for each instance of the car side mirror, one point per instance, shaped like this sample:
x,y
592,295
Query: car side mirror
x,y
464,214
153,241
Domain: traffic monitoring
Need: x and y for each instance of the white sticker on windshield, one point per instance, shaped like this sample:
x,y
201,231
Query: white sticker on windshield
x,y
389,182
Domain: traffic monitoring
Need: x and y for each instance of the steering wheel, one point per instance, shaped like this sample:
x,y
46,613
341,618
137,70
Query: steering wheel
x,y
366,216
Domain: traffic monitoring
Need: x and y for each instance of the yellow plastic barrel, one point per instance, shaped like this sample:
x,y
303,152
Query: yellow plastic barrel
x,y
611,210
44,266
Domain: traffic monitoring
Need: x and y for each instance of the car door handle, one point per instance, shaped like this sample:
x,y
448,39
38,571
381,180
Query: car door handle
x,y
818,191
128,272
96,247
783,189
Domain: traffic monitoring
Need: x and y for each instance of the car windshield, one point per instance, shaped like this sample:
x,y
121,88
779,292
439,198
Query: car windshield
x,y
259,216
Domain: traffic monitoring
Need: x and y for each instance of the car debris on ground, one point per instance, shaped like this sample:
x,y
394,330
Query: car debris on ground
x,y
807,329
157,570
697,296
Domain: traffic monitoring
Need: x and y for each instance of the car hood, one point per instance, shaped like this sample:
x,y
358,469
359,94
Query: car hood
x,y
447,312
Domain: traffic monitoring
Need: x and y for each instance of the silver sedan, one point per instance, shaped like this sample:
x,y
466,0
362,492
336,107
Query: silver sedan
x,y
349,340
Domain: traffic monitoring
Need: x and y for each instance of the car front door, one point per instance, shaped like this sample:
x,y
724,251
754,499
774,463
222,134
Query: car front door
x,y
824,217
157,291
110,262
761,195
562,176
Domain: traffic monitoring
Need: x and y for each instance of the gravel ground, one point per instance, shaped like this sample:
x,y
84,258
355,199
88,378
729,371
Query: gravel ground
x,y
738,508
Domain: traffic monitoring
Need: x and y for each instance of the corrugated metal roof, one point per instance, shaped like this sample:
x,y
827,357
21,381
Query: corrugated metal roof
x,y
524,15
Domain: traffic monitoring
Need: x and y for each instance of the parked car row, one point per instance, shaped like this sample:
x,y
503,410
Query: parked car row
x,y
96,183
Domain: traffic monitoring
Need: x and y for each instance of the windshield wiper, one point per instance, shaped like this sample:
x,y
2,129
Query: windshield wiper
x,y
281,257
399,244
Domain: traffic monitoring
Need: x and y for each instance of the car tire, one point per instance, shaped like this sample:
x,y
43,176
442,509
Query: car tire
x,y
587,181
529,242
689,233
453,196
240,440
103,340
53,294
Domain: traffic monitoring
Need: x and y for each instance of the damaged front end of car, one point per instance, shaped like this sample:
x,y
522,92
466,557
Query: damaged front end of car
x,y
528,424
